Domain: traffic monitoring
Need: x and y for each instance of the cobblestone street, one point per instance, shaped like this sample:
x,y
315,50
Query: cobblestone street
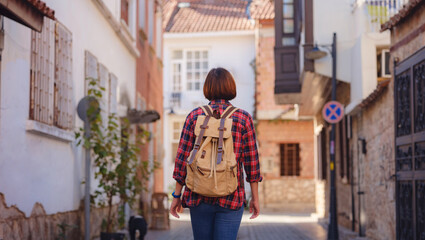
x,y
269,226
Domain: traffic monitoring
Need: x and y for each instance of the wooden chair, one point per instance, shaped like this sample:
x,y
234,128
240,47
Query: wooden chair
x,y
159,209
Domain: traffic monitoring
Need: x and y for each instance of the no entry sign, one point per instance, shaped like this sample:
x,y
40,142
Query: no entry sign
x,y
333,112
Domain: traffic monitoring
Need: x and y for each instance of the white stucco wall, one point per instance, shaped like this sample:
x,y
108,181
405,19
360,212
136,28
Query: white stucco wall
x,y
35,168
233,51
356,45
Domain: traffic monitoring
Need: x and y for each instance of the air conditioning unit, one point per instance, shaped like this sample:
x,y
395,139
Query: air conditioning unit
x,y
383,63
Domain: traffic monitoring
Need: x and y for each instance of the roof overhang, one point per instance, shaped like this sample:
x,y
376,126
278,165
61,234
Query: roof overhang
x,y
175,35
315,91
26,12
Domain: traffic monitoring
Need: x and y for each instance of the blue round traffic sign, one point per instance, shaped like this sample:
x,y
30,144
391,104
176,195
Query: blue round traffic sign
x,y
333,112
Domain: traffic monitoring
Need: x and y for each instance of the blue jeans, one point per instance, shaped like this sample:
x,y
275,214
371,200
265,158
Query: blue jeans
x,y
212,222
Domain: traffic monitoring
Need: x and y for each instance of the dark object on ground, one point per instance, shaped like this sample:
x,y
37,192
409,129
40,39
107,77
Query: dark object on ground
x,y
111,236
137,223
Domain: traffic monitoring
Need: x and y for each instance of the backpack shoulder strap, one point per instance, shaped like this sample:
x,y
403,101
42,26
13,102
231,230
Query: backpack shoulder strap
x,y
227,113
207,110
203,127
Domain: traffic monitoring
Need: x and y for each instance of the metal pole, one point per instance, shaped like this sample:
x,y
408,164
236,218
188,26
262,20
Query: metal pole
x,y
333,223
87,185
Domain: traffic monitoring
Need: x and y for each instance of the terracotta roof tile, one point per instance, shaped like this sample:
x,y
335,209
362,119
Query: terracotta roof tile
x,y
375,94
403,13
42,8
206,15
262,9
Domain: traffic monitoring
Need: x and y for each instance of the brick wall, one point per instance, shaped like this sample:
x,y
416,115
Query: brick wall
x,y
149,86
265,71
296,193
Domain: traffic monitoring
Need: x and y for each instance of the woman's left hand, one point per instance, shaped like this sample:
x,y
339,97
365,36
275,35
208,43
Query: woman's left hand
x,y
175,207
254,207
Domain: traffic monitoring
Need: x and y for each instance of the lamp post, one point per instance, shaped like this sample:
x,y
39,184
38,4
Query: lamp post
x,y
316,53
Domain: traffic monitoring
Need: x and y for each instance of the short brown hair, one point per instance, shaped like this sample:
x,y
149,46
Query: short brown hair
x,y
219,84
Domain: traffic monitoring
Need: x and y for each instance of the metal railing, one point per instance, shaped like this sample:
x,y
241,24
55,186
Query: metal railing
x,y
380,11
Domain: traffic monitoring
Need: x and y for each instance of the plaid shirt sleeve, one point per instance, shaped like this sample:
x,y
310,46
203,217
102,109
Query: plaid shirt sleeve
x,y
187,141
250,153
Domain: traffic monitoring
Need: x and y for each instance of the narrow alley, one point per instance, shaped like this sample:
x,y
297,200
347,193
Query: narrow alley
x,y
269,225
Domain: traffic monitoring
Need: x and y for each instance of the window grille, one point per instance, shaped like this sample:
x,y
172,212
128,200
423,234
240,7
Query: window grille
x,y
51,75
290,159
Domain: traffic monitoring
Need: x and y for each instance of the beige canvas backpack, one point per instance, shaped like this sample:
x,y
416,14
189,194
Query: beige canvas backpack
x,y
212,167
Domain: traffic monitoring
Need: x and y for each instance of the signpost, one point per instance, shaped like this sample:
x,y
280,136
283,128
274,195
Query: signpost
x,y
333,112
83,106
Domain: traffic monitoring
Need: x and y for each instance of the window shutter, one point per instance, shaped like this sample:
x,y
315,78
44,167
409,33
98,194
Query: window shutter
x,y
90,70
113,84
103,80
42,73
63,114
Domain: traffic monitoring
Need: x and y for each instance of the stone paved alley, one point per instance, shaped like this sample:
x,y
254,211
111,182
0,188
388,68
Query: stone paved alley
x,y
269,226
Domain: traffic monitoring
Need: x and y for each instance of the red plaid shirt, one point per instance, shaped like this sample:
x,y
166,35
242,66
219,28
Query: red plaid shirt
x,y
245,147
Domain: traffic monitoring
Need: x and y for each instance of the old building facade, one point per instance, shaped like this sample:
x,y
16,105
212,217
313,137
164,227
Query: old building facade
x,y
285,139
45,67
200,35
407,131
364,145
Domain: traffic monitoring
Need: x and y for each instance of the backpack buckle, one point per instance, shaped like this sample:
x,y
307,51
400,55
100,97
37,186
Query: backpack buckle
x,y
220,149
222,129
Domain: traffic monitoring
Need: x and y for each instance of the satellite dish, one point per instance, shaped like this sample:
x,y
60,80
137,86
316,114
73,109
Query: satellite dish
x,y
136,116
84,105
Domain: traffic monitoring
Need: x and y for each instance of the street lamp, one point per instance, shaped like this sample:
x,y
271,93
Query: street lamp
x,y
316,53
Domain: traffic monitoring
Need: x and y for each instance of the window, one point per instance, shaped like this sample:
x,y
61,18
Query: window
x,y
290,159
288,23
51,75
196,68
107,80
177,70
151,12
158,34
125,11
176,132
287,37
142,14
189,69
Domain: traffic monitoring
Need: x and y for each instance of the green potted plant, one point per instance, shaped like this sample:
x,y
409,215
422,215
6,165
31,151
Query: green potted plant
x,y
117,166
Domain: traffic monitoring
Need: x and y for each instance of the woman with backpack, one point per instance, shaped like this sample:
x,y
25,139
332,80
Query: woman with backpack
x,y
217,141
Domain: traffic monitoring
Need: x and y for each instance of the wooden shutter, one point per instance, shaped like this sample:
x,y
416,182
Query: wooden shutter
x,y
63,109
103,82
90,70
42,73
113,84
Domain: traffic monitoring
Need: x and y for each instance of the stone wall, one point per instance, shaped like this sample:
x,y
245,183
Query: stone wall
x,y
279,190
290,194
14,225
372,171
